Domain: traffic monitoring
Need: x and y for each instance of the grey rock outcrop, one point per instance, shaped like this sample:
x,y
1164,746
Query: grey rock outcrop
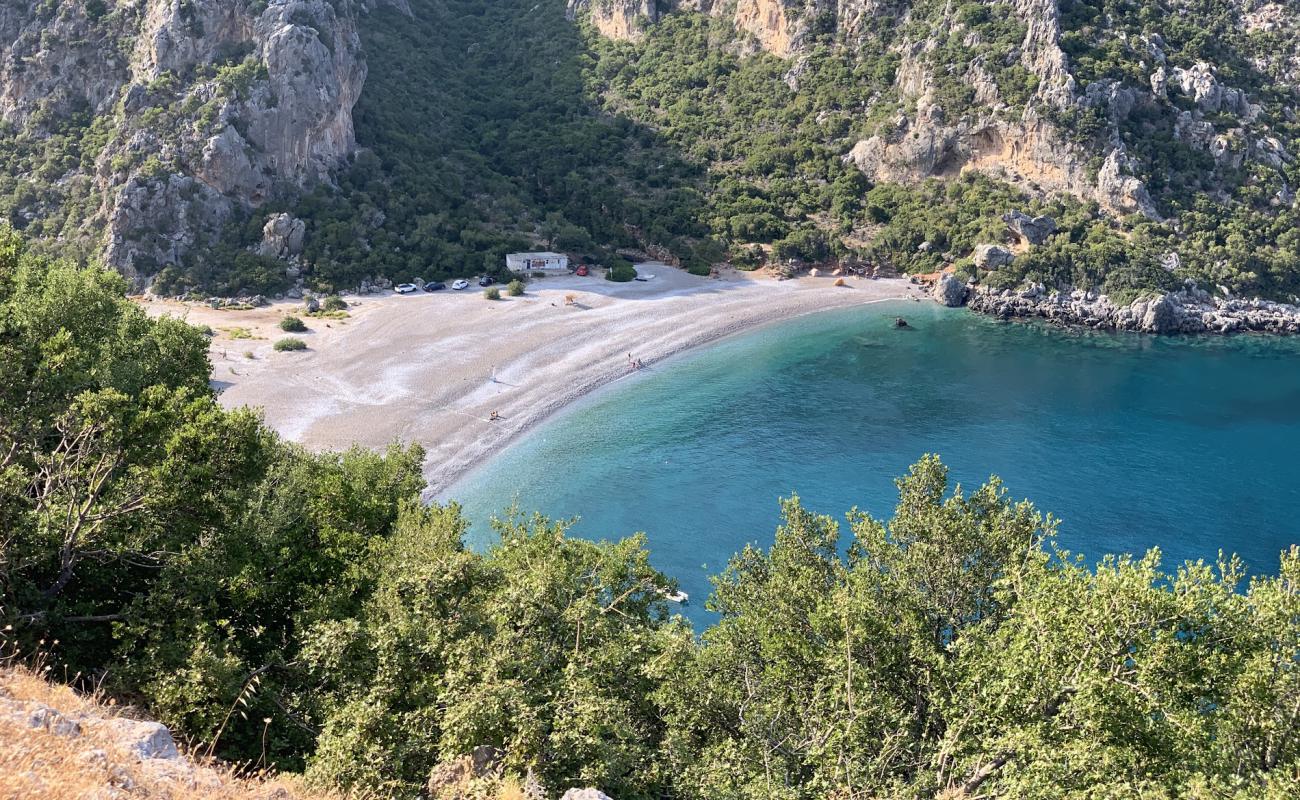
x,y
622,20
1188,310
585,794
1111,96
992,256
143,739
1033,230
949,290
1200,84
282,236
212,111
1160,83
1121,190
41,717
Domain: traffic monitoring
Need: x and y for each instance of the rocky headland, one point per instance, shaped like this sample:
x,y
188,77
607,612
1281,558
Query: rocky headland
x,y
1187,310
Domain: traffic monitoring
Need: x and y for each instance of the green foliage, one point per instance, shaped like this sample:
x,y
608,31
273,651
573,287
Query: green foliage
x,y
541,646
235,80
620,270
772,154
948,649
492,293
504,146
293,325
289,344
334,303
515,288
117,452
221,577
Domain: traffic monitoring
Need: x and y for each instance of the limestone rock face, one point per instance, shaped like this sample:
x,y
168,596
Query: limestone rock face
x,y
1033,230
282,236
1120,191
585,794
1159,316
1200,84
1030,138
992,256
1028,152
214,107
617,19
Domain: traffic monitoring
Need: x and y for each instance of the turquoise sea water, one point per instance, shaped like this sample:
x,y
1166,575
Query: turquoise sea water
x,y
1191,445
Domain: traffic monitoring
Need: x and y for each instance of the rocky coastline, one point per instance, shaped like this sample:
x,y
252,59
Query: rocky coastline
x,y
1190,310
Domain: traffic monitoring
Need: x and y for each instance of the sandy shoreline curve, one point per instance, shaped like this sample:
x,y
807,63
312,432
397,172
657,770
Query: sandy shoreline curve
x,y
433,367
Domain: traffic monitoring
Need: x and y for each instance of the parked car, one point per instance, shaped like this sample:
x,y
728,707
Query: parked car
x,y
460,284
486,280
434,286
582,271
405,288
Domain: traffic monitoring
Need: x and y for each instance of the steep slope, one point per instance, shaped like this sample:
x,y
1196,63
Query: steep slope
x,y
251,146
1174,119
139,129
55,743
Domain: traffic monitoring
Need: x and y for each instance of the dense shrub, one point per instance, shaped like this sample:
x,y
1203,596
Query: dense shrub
x,y
293,325
492,293
620,270
289,344
515,288
334,303
307,610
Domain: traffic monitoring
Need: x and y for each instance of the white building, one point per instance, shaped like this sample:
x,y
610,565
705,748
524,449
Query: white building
x,y
527,262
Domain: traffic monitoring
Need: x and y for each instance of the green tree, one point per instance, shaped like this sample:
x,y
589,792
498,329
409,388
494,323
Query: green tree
x,y
547,648
113,452
823,673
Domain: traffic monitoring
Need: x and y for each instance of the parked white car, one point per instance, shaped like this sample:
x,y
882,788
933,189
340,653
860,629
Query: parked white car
x,y
405,288
460,284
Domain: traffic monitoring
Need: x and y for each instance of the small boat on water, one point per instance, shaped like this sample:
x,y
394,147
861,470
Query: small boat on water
x,y
678,597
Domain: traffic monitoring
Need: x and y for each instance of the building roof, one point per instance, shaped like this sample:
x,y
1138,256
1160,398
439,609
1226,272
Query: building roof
x,y
536,255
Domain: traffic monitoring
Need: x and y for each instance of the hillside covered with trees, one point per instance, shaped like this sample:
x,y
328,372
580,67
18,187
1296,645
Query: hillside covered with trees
x,y
306,611
1160,137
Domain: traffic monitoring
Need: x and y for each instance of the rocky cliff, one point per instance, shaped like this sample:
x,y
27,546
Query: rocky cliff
x,y
151,124
1028,138
1168,117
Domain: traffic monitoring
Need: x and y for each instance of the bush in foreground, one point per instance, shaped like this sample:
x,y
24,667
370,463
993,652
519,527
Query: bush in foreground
x,y
289,344
492,293
334,303
950,651
621,271
516,288
293,325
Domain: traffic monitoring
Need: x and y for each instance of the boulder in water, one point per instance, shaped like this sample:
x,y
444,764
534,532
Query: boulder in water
x,y
949,290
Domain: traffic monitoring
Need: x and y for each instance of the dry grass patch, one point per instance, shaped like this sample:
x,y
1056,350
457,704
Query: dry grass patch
x,y
77,753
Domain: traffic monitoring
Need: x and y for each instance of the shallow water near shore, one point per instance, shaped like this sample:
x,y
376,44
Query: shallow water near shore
x,y
1187,444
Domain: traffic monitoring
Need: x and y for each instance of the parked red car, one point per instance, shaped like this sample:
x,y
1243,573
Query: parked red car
x,y
581,271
